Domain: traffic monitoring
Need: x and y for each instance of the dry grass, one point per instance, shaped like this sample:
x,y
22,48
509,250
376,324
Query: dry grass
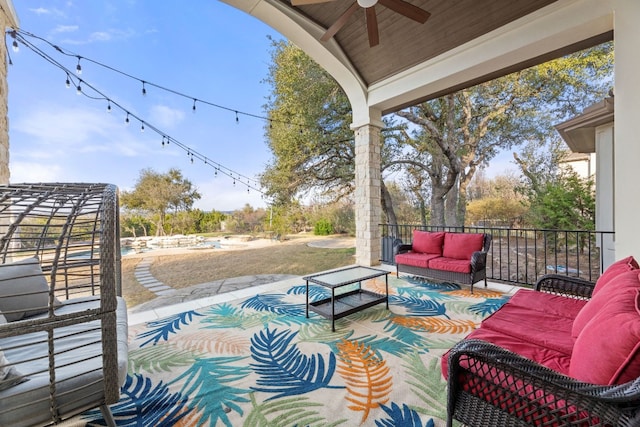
x,y
192,268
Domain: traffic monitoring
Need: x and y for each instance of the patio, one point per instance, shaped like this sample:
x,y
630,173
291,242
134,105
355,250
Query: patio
x,y
170,346
546,30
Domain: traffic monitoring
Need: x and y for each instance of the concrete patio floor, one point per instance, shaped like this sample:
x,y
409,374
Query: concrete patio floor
x,y
206,294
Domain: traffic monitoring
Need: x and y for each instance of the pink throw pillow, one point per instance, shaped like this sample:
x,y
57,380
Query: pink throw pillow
x,y
621,266
625,282
607,350
462,245
427,242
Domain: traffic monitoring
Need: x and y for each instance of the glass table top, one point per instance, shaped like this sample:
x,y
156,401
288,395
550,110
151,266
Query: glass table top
x,y
345,276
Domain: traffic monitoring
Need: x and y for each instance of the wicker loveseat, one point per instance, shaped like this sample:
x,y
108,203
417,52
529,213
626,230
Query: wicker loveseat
x,y
63,324
566,354
445,256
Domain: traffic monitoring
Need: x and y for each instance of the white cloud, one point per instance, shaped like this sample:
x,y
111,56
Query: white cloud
x,y
65,29
165,117
34,172
220,194
45,11
75,130
102,36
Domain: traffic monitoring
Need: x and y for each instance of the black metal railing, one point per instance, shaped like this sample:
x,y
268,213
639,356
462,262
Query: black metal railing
x,y
522,255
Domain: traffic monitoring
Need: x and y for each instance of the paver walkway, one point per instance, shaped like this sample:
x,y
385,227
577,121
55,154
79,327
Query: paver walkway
x,y
143,275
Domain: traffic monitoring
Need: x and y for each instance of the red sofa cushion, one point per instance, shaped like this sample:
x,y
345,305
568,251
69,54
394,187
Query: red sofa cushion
x,y
552,359
607,351
451,264
427,242
621,283
415,259
531,326
462,245
556,305
622,266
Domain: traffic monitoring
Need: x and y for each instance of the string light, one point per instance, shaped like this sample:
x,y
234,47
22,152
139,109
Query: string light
x,y
21,34
165,138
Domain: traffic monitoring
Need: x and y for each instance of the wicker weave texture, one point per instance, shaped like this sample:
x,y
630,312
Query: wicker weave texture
x,y
478,266
73,231
489,385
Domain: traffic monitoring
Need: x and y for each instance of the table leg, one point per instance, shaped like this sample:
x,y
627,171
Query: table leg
x,y
333,309
386,283
307,299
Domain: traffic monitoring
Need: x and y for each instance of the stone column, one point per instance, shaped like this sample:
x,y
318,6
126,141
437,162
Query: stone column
x,y
8,19
367,195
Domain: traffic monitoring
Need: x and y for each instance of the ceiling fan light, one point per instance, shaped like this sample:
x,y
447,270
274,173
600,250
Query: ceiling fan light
x,y
367,3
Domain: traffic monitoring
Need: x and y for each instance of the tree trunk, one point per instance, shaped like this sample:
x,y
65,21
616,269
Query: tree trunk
x,y
387,204
451,207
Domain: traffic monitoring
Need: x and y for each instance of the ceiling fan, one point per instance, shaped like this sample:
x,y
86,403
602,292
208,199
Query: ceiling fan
x,y
399,6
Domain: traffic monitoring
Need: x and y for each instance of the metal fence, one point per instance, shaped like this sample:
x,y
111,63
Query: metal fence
x,y
522,255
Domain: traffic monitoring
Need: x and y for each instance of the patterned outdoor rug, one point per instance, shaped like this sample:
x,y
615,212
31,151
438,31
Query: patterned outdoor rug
x,y
261,362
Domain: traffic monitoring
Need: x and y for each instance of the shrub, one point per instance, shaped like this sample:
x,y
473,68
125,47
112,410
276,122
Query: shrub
x,y
323,228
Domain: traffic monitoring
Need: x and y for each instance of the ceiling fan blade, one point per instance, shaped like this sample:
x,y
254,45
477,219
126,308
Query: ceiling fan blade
x,y
332,30
372,26
303,2
406,9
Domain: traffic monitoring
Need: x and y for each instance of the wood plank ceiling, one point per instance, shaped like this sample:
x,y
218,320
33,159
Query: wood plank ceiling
x,y
405,43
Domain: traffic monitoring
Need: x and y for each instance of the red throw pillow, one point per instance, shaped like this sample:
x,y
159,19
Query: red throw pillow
x,y
427,242
625,282
462,245
607,350
622,266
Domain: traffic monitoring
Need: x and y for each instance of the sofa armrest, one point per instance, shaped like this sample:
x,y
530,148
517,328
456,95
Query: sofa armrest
x,y
400,248
565,285
489,385
478,261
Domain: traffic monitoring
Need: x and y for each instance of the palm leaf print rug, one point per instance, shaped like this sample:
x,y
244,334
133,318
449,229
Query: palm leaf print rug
x,y
261,362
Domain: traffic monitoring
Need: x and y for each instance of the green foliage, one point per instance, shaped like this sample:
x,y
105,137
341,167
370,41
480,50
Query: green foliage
x,y
323,228
565,204
495,211
454,136
155,194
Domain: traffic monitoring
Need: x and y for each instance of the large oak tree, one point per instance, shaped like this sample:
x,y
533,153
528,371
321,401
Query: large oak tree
x,y
155,194
445,140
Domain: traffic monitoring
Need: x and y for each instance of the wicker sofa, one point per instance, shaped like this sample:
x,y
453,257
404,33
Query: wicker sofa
x,y
564,354
63,323
444,256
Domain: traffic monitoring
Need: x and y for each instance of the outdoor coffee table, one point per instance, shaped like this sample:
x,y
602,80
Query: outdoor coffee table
x,y
348,302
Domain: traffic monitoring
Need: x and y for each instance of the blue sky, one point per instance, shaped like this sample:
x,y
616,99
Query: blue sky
x,y
202,48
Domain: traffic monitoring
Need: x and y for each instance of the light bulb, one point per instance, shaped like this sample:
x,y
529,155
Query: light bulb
x,y
16,48
78,68
367,3
194,106
126,120
144,90
68,83
109,107
142,127
79,90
